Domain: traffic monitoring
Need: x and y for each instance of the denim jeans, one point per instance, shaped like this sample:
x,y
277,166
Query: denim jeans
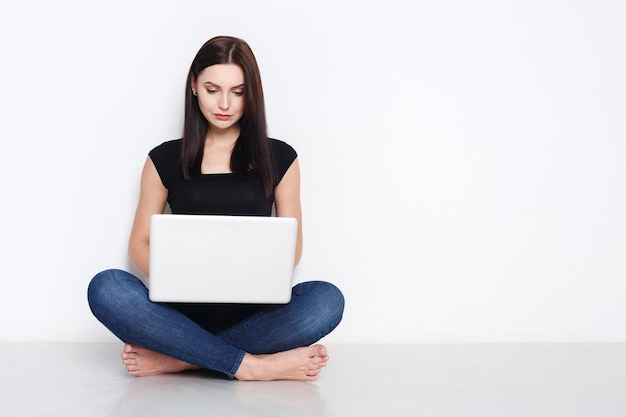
x,y
213,336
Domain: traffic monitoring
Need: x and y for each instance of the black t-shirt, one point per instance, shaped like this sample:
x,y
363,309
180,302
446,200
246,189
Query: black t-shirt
x,y
219,194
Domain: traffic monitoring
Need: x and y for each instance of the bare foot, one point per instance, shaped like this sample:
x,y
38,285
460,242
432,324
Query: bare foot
x,y
300,364
144,362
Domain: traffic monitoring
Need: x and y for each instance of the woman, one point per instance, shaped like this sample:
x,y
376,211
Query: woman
x,y
224,164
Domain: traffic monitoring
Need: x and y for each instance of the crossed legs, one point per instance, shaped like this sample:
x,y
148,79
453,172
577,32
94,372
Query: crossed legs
x,y
274,343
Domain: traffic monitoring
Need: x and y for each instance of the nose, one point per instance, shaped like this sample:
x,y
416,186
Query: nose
x,y
224,102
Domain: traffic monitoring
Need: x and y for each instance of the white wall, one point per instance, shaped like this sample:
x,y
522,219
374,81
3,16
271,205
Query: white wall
x,y
463,164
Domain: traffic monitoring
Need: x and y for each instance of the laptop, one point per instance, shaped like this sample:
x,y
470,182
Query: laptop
x,y
221,259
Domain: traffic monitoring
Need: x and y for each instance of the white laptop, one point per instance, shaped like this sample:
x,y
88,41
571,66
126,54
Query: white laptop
x,y
221,259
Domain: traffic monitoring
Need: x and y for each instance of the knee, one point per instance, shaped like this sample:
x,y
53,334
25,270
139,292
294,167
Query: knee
x,y
98,285
330,302
334,298
104,289
337,302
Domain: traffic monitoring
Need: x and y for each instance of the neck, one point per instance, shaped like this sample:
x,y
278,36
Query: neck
x,y
219,137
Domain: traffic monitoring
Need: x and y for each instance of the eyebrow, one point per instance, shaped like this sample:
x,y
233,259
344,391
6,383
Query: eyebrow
x,y
216,85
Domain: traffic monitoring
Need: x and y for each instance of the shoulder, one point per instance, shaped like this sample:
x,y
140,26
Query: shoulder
x,y
165,159
167,148
282,150
283,156
166,153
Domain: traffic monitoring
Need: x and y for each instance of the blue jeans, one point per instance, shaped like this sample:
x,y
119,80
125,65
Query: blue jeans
x,y
213,336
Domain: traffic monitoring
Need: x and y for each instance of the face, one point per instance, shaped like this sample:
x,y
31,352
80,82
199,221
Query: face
x,y
220,90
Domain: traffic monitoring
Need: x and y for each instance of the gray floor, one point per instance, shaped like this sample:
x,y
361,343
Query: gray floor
x,y
509,380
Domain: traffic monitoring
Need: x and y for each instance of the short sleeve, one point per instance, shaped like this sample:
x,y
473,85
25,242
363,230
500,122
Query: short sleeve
x,y
165,159
284,155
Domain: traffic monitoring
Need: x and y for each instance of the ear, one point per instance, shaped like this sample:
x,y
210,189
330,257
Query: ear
x,y
194,83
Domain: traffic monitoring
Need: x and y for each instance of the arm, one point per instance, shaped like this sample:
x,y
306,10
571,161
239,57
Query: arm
x,y
152,200
287,200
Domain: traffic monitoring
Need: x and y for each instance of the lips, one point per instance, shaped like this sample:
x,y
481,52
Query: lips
x,y
222,116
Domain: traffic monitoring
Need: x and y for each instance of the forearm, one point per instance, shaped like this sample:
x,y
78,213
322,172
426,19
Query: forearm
x,y
138,254
298,245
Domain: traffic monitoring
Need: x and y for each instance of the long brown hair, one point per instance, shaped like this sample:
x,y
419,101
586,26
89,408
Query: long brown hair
x,y
252,148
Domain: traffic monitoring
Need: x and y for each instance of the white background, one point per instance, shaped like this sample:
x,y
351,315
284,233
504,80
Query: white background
x,y
464,163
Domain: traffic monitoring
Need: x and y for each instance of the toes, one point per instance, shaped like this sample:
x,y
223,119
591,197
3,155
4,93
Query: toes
x,y
313,370
318,361
311,376
129,351
320,350
130,361
132,367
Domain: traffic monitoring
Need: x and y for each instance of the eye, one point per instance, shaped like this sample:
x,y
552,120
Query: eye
x,y
211,90
238,93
